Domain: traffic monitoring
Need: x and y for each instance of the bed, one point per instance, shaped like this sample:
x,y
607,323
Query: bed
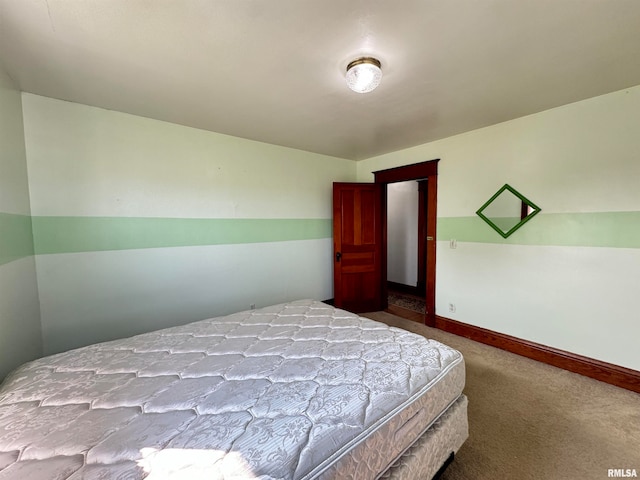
x,y
300,390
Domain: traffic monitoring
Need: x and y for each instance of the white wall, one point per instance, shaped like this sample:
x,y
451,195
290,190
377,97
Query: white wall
x,y
568,278
109,190
402,233
20,335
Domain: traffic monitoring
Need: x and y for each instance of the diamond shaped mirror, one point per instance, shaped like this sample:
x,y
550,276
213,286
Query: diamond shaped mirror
x,y
507,211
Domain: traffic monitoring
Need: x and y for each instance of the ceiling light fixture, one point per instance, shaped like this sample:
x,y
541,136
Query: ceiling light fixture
x,y
364,74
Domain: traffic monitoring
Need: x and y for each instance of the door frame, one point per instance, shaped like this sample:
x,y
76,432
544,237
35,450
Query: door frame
x,y
423,205
418,171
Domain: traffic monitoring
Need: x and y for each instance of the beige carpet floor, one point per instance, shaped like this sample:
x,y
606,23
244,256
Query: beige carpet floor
x,y
528,420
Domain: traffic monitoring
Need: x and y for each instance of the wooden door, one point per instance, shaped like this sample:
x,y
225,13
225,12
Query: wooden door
x,y
357,246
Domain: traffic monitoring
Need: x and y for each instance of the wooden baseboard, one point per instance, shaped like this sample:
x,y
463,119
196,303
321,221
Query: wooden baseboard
x,y
605,372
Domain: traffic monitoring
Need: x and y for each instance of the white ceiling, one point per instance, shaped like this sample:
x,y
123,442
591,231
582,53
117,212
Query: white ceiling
x,y
273,70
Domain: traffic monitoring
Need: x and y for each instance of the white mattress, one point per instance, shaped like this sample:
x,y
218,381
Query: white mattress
x,y
294,391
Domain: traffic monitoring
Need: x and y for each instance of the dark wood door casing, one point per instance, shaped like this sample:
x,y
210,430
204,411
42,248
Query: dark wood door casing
x,y
423,207
427,171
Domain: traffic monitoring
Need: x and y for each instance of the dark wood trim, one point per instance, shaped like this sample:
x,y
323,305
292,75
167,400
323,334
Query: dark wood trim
x,y
432,203
410,289
423,208
605,372
524,210
418,171
415,171
383,221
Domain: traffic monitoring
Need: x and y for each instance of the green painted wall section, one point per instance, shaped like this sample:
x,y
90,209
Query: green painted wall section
x,y
16,237
595,229
88,234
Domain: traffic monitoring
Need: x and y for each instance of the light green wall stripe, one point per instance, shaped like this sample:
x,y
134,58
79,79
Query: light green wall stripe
x,y
88,234
601,229
16,238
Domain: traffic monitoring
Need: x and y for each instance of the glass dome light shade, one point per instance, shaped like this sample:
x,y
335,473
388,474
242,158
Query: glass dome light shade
x,y
364,74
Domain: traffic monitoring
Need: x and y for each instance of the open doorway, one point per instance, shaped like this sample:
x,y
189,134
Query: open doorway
x,y
407,248
406,271
426,175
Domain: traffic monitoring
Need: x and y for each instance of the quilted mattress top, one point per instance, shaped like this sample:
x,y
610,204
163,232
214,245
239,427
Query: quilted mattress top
x,y
275,393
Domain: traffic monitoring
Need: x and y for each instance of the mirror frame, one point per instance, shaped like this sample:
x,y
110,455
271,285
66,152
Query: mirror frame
x,y
524,220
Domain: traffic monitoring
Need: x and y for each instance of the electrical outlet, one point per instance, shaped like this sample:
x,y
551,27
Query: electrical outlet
x,y
252,306
452,308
